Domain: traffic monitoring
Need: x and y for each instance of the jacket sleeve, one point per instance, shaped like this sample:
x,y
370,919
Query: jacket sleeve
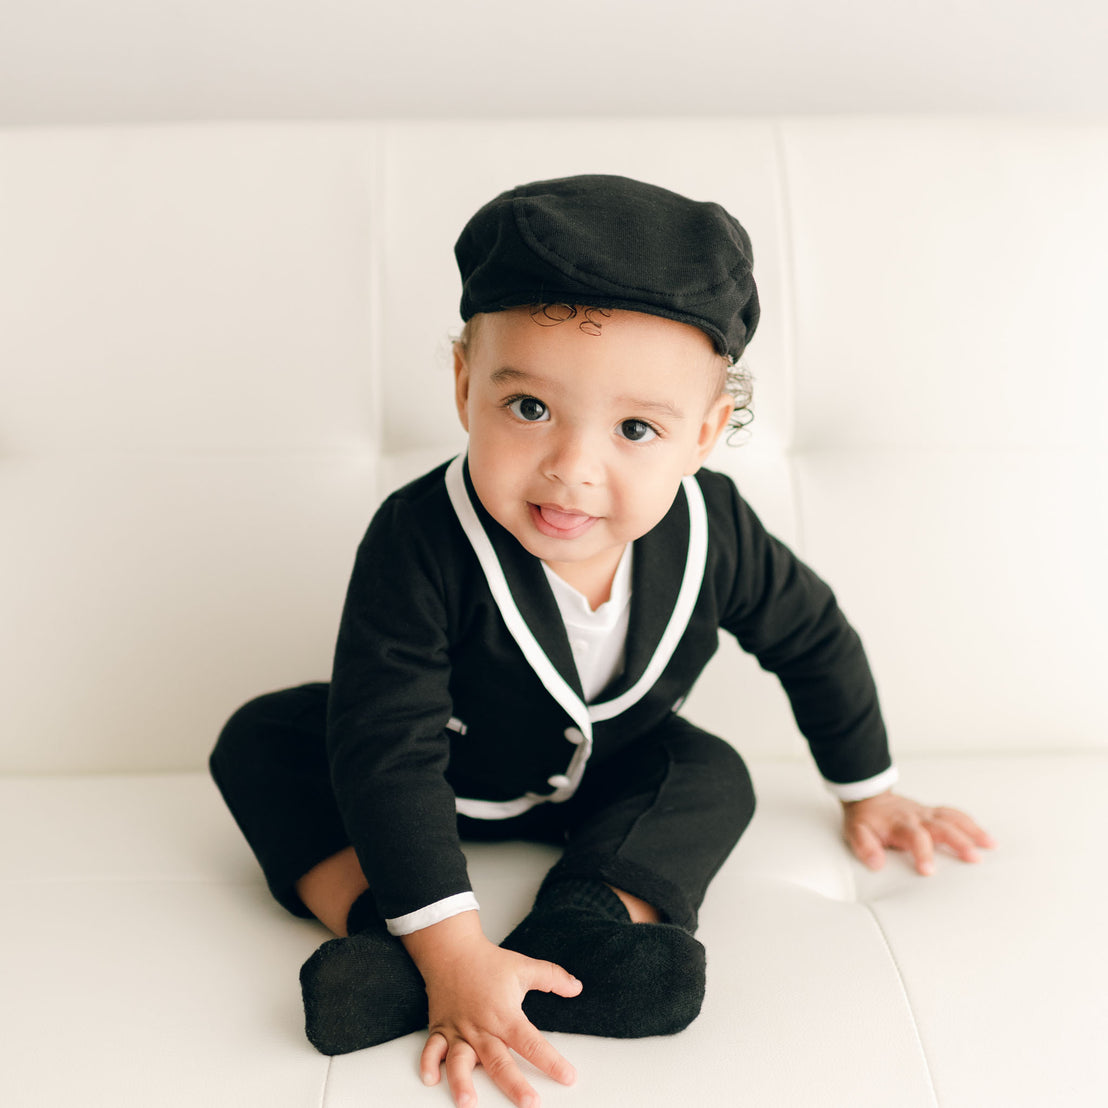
x,y
387,714
788,618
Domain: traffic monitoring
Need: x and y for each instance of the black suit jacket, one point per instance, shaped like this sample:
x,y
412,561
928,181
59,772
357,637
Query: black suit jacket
x,y
454,687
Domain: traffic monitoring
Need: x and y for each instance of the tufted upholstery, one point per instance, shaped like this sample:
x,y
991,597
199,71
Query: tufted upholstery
x,y
219,346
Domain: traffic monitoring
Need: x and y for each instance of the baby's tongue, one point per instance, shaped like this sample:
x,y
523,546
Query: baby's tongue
x,y
562,520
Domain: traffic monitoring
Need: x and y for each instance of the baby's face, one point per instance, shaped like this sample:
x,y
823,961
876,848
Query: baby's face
x,y
578,442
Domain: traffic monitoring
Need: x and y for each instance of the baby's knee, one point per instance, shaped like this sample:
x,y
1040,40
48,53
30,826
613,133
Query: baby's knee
x,y
253,730
737,775
736,784
722,778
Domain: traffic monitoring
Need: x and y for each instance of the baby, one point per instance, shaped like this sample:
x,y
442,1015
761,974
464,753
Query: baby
x,y
521,628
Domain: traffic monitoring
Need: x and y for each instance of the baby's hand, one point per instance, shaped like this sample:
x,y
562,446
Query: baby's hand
x,y
475,991
888,820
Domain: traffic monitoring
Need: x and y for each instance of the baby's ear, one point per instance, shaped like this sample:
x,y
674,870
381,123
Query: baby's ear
x,y
715,421
461,384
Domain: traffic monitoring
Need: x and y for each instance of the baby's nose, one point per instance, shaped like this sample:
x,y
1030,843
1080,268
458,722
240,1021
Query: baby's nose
x,y
573,460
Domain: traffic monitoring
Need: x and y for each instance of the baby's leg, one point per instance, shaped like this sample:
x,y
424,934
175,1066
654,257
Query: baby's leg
x,y
659,818
649,828
636,907
271,766
330,889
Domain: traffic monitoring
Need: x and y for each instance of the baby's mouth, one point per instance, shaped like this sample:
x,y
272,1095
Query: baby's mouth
x,y
560,522
559,517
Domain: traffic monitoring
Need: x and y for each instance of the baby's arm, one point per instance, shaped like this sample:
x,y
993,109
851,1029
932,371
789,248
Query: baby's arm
x,y
892,821
475,991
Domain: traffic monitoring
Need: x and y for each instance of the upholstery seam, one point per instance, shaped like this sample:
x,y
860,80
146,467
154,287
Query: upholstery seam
x,y
376,155
789,270
326,1082
907,1002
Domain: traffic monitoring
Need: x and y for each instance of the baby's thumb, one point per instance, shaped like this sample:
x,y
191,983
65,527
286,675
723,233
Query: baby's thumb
x,y
548,977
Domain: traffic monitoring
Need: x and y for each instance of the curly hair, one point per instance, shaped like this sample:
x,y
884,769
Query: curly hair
x,y
735,378
738,383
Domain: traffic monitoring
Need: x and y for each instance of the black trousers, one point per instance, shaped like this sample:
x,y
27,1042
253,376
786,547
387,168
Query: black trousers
x,y
657,819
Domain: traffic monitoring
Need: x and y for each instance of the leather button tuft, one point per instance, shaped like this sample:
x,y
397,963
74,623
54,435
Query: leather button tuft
x,y
558,781
574,736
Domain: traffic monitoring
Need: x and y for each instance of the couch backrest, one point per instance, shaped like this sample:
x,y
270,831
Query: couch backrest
x,y
220,343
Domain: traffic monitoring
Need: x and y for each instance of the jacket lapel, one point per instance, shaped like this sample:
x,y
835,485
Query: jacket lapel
x,y
656,574
531,592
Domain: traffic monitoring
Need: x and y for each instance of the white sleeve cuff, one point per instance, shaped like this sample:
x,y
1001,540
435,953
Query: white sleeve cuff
x,y
861,790
433,913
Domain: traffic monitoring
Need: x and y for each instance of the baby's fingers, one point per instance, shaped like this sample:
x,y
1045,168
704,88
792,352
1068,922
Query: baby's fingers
x,y
922,848
958,832
430,1061
958,842
502,1069
911,835
976,834
461,1059
548,977
866,845
526,1040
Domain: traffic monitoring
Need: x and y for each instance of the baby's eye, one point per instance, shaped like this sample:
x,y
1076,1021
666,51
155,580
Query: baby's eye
x,y
637,430
529,409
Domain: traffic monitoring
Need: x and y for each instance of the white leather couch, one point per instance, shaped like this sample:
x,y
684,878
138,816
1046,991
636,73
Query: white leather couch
x,y
220,344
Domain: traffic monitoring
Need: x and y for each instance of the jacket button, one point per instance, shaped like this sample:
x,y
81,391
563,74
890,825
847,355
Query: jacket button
x,y
558,781
574,736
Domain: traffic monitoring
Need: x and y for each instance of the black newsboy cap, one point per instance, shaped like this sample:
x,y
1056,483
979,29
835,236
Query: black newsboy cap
x,y
610,242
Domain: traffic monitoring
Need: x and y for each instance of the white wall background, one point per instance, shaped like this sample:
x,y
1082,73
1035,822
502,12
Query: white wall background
x,y
96,61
